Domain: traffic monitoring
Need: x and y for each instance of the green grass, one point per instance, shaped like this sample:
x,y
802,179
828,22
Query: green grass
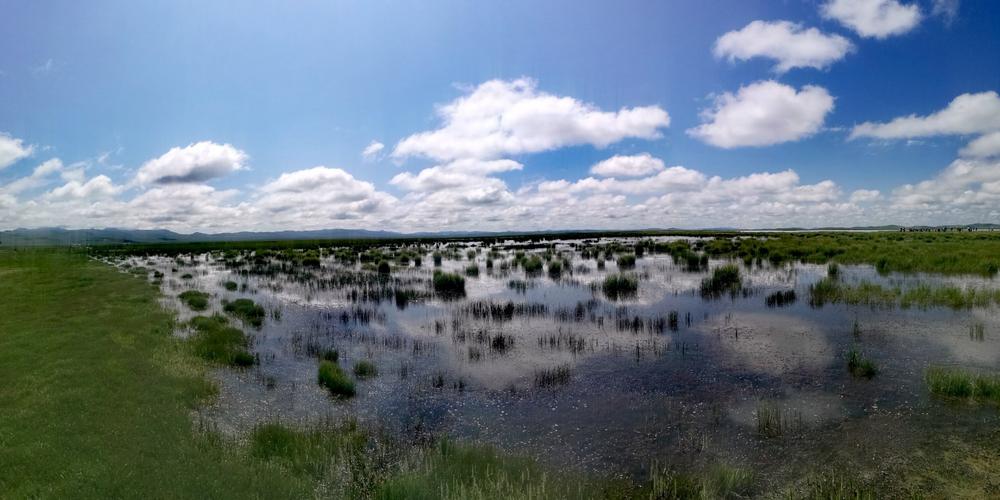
x,y
365,369
963,384
620,286
923,296
194,299
859,365
332,377
214,340
719,482
449,284
723,279
97,394
246,310
231,286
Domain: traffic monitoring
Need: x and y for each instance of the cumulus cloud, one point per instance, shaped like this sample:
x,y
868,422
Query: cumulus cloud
x,y
12,150
873,18
983,147
788,43
38,177
965,114
97,187
499,118
865,195
762,114
628,166
967,188
372,150
196,162
319,196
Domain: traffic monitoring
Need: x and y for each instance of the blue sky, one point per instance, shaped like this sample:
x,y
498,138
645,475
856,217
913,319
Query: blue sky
x,y
248,92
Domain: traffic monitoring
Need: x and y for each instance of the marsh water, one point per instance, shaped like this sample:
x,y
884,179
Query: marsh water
x,y
552,368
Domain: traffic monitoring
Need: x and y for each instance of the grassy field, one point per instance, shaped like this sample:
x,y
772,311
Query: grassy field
x,y
97,401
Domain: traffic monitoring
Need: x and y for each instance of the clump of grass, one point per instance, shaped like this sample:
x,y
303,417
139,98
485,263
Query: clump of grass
x,y
246,310
724,279
383,268
437,259
335,380
365,369
859,365
963,384
532,265
216,341
187,276
830,486
618,286
833,270
721,481
626,261
231,286
472,270
449,284
780,298
549,377
194,299
772,421
331,355
555,269
977,332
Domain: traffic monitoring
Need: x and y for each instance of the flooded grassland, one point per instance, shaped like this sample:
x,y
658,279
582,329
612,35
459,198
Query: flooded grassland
x,y
608,354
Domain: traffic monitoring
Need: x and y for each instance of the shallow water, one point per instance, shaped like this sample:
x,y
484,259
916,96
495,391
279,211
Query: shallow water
x,y
639,391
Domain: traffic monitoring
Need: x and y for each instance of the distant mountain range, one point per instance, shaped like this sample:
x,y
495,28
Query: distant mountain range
x,y
55,236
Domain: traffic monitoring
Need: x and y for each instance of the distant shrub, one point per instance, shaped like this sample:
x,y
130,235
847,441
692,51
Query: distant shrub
x,y
472,270
532,265
383,267
231,286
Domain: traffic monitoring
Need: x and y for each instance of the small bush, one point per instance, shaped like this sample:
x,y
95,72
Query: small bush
x,y
331,355
231,286
383,268
472,270
335,380
532,265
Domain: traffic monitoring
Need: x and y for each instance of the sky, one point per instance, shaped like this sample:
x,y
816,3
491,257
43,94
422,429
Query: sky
x,y
513,115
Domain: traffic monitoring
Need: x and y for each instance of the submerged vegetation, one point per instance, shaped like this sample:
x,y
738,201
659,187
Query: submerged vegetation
x,y
859,365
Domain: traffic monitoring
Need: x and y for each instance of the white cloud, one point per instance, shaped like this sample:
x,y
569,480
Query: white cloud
x,y
38,177
865,195
372,150
965,114
318,197
762,114
196,162
873,18
500,118
786,42
97,187
947,9
12,150
983,147
968,190
628,166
